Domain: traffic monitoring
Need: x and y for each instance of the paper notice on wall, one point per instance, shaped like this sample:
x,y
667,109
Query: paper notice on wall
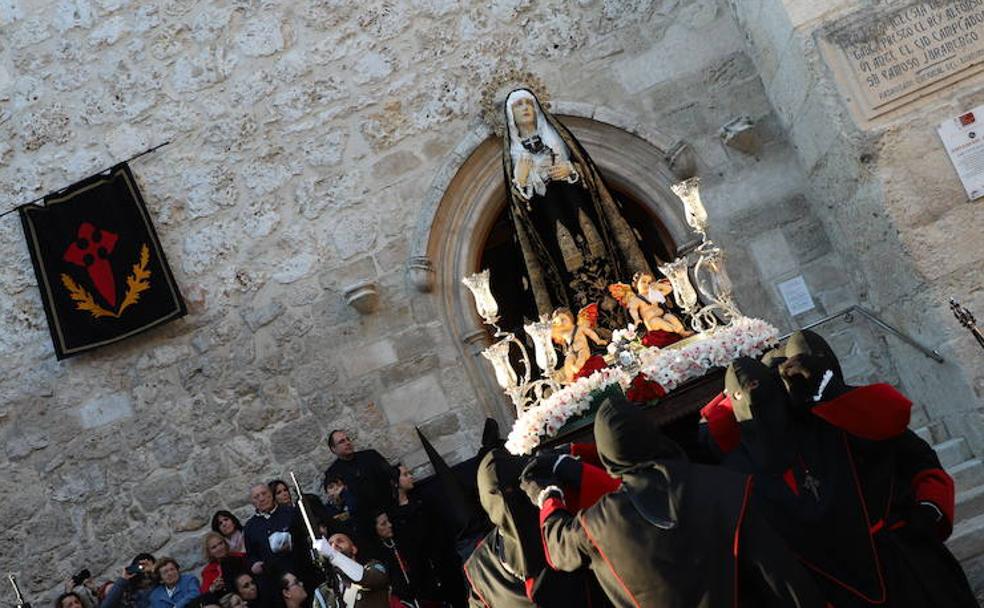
x,y
963,138
796,295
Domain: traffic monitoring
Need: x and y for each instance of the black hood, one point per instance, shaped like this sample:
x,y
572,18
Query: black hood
x,y
512,513
761,406
811,372
651,466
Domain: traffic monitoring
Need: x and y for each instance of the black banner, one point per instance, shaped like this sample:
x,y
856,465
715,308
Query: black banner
x,y
100,267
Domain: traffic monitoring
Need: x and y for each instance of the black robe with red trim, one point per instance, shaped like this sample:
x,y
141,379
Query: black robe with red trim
x,y
843,504
491,583
719,554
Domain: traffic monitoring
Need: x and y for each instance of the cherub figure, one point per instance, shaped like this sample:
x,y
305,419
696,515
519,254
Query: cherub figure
x,y
645,312
573,338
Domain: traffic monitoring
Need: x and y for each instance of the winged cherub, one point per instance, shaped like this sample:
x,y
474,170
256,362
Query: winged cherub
x,y
649,314
573,337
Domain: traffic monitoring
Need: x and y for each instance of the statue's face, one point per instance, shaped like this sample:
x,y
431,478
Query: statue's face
x,y
524,113
561,325
643,283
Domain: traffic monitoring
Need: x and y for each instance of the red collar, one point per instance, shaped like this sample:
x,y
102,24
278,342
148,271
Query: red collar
x,y
875,412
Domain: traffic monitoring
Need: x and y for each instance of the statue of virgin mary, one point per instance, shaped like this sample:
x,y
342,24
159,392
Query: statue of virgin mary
x,y
574,238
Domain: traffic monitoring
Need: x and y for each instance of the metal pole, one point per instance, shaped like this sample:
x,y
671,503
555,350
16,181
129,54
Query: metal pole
x,y
847,313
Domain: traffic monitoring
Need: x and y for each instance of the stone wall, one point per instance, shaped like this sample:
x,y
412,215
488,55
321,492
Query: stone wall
x,y
305,136
889,196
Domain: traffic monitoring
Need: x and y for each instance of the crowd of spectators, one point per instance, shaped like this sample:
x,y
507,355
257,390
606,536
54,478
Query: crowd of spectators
x,y
368,513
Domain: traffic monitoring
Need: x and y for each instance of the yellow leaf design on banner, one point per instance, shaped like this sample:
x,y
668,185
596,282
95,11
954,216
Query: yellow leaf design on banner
x,y
137,282
83,299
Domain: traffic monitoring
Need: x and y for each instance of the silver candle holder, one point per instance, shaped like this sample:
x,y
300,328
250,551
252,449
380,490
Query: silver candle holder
x,y
709,271
523,389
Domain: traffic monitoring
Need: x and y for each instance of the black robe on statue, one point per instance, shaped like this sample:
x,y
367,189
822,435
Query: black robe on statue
x,y
552,284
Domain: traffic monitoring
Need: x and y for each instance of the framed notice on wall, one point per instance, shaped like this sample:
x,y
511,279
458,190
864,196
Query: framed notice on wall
x,y
963,138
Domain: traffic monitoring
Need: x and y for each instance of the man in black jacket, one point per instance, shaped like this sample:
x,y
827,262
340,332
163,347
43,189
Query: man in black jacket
x,y
675,534
366,474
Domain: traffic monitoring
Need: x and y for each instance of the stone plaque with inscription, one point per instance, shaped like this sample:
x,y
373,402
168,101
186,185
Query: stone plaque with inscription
x,y
885,56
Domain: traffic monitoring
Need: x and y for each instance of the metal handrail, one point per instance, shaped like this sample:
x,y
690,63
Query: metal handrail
x,y
848,315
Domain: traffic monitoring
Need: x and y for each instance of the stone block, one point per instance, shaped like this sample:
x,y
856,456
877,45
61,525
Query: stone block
x,y
683,51
171,448
446,424
359,359
257,316
341,277
409,368
807,239
415,402
295,439
159,490
772,254
204,470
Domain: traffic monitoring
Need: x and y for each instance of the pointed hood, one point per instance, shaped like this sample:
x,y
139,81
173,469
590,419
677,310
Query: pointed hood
x,y
761,407
650,465
462,511
811,372
512,513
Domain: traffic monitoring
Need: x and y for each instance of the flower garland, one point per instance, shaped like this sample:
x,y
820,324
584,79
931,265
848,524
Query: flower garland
x,y
670,367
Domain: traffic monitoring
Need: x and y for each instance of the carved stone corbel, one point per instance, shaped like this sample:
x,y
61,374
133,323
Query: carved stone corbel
x,y
681,160
421,272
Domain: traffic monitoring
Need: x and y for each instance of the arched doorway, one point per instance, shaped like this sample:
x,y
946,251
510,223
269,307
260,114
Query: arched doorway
x,y
456,234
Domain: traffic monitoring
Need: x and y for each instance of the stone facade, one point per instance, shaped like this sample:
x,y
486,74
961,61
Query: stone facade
x,y
307,138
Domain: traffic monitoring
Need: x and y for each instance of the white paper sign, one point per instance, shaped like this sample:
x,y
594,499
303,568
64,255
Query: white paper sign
x,y
796,295
963,138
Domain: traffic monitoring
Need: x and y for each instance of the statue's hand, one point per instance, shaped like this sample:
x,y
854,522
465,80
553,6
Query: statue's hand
x,y
561,171
523,168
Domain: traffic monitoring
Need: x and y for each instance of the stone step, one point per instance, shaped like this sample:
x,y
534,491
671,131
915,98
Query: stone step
x,y
918,417
967,540
932,433
970,504
968,474
952,452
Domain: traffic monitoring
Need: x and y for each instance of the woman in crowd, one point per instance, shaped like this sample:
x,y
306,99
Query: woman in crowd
x,y
227,524
292,591
411,576
219,558
231,600
281,492
69,599
248,591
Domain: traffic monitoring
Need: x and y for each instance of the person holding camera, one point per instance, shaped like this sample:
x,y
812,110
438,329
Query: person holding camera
x,y
132,589
176,590
83,586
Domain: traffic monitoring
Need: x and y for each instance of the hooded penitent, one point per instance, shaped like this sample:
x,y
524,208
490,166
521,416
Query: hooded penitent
x,y
630,446
761,408
516,519
811,371
843,480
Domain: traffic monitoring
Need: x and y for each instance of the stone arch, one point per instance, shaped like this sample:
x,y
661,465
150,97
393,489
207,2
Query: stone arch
x,y
468,194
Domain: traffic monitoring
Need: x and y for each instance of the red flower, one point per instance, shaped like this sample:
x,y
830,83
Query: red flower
x,y
644,390
593,364
660,338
